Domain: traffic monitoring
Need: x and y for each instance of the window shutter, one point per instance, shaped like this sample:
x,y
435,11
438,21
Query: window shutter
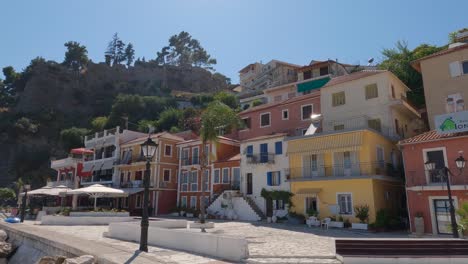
x,y
269,178
455,69
279,148
279,177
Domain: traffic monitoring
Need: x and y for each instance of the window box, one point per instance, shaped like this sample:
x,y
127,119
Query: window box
x,y
359,226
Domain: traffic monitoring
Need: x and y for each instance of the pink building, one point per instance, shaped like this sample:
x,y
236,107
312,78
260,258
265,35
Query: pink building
x,y
291,116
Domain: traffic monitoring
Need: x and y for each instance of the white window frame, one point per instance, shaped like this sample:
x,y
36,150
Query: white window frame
x,y
192,183
352,202
275,177
302,111
232,173
282,114
219,176
222,175
424,153
316,199
186,183
269,119
170,172
183,201
193,199
193,156
185,158
167,145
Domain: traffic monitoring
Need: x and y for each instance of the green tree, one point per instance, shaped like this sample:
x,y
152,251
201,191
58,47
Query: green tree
x,y
129,54
398,61
169,118
184,50
76,55
73,137
217,119
6,194
228,99
115,53
144,125
25,125
99,123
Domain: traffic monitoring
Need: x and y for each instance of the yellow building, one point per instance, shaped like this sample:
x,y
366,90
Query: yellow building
x,y
333,172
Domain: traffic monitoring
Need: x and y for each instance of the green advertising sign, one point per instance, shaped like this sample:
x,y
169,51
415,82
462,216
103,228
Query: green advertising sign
x,y
451,123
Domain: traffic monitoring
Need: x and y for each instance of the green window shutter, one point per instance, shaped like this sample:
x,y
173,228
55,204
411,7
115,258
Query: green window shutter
x,y
371,91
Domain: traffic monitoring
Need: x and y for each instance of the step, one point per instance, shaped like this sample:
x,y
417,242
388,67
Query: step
x,y
286,260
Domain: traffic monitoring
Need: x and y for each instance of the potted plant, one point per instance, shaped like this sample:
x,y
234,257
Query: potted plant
x,y
182,210
346,223
419,223
189,212
336,222
362,213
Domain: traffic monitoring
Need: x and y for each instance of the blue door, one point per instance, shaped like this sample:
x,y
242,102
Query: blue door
x,y
264,153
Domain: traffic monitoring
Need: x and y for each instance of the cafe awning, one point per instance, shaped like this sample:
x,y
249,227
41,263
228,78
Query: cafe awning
x,y
312,85
329,143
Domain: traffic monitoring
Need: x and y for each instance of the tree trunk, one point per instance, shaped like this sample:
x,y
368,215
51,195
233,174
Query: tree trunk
x,y
203,165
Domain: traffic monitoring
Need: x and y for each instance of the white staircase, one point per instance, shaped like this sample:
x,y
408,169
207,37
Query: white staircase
x,y
235,207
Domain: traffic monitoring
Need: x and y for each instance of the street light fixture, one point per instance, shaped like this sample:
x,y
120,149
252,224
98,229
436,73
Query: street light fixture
x,y
445,172
149,149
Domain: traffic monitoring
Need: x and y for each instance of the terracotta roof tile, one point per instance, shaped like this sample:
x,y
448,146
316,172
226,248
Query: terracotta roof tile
x,y
266,137
430,136
442,52
235,157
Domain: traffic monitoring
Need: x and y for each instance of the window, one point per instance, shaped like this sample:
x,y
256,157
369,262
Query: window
x,y
465,67
455,103
138,201
70,175
185,181
225,175
345,204
138,175
247,122
236,178
307,75
122,176
216,176
129,175
167,175
185,156
249,151
168,150
324,71
375,124
279,148
306,111
264,153
371,91
285,114
393,91
397,127
278,204
311,203
380,157
195,156
338,127
278,98
273,178
194,181
193,202
438,157
183,201
265,120
338,99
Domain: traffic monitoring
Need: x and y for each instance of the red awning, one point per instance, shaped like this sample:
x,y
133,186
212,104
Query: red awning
x,y
81,151
81,173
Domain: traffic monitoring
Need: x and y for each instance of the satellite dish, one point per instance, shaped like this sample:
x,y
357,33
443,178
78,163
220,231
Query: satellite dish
x,y
370,61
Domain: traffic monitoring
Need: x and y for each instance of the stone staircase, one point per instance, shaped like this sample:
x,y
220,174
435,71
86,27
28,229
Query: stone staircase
x,y
254,207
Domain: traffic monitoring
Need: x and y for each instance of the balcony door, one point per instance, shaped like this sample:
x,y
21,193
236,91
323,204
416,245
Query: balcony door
x,y
312,165
345,164
264,153
438,157
442,216
249,183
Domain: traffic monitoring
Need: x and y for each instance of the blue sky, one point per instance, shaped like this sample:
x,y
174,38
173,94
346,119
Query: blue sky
x,y
235,32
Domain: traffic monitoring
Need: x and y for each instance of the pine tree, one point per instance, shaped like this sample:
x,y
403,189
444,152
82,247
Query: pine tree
x,y
129,54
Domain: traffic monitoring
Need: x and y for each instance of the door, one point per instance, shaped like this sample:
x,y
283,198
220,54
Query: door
x,y
442,216
436,156
264,153
311,204
249,183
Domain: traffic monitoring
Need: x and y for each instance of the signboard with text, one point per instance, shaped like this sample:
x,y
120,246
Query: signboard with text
x,y
451,123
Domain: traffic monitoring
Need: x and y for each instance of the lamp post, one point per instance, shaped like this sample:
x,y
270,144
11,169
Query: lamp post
x,y
24,201
445,172
149,149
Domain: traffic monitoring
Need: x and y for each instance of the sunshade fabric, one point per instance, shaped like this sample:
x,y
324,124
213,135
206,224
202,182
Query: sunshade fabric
x,y
308,191
131,191
99,191
311,85
329,143
47,190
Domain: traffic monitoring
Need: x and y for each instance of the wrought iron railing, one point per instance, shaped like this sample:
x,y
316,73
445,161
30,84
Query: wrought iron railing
x,y
260,158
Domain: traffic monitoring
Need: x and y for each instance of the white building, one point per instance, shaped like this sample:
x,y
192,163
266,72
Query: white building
x,y
264,165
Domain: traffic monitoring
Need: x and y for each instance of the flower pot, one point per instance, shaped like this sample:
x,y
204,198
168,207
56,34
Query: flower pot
x,y
274,219
336,224
419,226
359,226
268,219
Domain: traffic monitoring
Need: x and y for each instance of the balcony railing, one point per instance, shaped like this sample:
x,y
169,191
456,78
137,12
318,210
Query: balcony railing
x,y
102,134
190,161
424,178
130,161
343,170
261,158
68,183
132,184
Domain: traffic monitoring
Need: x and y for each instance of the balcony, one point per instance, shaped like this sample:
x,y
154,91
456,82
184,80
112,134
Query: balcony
x,y
129,161
132,184
190,161
424,178
404,106
68,183
61,163
342,171
261,158
106,137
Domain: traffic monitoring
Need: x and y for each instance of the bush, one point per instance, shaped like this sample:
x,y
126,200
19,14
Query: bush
x,y
346,223
362,212
257,102
382,219
312,212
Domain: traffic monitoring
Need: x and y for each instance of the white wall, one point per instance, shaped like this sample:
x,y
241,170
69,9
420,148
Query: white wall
x,y
223,247
259,171
238,205
82,220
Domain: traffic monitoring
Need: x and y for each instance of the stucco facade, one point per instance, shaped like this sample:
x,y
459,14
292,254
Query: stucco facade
x,y
443,77
259,166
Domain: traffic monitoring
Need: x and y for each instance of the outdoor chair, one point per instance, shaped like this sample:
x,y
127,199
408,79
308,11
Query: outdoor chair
x,y
312,221
325,222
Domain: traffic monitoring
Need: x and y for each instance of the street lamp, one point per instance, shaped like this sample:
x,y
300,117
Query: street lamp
x,y
445,172
26,187
149,149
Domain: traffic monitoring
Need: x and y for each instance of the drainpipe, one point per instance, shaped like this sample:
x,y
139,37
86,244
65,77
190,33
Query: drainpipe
x,y
406,190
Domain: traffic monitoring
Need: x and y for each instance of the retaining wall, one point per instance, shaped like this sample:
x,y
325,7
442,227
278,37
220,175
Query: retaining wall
x,y
82,220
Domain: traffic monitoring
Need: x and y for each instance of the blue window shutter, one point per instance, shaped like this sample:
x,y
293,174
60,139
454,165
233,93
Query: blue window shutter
x,y
249,150
279,148
269,181
279,177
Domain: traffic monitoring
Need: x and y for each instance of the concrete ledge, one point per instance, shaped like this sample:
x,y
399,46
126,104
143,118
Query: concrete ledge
x,y
169,224
82,220
207,225
223,247
100,214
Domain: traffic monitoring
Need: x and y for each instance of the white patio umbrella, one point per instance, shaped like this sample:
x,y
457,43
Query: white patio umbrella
x,y
47,190
98,191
